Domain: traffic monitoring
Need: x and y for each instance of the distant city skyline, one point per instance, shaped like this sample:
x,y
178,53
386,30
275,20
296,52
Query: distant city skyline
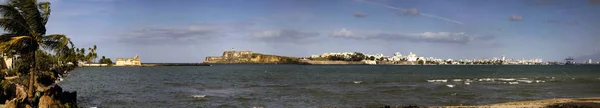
x,y
190,30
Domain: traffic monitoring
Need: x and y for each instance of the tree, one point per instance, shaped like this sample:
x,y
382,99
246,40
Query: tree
x,y
372,58
357,56
101,61
25,24
105,60
91,56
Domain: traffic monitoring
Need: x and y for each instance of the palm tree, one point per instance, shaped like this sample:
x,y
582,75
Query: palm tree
x,y
92,54
25,24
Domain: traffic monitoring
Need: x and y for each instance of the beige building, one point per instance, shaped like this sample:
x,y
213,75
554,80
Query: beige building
x,y
135,61
7,62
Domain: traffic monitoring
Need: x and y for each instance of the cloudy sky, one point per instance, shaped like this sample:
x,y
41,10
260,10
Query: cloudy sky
x,y
189,30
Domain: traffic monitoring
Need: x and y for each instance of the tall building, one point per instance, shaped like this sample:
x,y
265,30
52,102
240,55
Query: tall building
x,y
503,58
590,61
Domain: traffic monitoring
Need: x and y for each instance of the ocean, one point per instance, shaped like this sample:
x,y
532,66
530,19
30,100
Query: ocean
x,y
307,86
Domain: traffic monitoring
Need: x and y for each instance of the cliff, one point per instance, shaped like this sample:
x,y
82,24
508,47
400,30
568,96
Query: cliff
x,y
248,57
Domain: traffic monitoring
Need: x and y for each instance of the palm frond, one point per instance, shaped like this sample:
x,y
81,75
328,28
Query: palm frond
x,y
56,42
45,10
30,12
18,43
12,21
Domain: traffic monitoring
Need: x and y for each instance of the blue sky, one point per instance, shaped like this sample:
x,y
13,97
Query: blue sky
x,y
189,30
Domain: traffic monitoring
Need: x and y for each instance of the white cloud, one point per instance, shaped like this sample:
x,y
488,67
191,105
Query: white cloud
x,y
515,18
343,33
166,35
267,33
284,35
433,37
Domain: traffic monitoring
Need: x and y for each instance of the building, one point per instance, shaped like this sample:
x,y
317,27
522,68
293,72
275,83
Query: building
x,y
397,57
411,57
7,62
135,61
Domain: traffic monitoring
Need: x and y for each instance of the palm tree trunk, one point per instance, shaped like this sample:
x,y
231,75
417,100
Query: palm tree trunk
x,y
32,78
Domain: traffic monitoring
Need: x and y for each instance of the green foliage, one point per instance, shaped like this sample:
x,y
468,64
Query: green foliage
x,y
421,62
357,56
371,58
105,60
336,58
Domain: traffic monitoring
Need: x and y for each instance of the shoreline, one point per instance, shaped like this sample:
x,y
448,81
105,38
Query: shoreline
x,y
589,102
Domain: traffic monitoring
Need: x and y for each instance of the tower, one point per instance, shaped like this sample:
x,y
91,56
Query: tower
x,y
503,58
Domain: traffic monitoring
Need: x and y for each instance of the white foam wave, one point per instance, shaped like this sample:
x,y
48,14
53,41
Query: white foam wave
x,y
513,82
438,80
506,79
449,85
539,81
525,81
198,96
357,82
457,80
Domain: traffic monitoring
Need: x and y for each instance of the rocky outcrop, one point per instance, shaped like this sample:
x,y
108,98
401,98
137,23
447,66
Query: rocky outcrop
x,y
248,57
55,97
47,102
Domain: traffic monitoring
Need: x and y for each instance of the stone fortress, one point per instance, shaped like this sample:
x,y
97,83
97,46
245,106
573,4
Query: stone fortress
x,y
240,57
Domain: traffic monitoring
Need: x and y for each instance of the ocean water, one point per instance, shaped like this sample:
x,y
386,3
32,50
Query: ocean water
x,y
303,86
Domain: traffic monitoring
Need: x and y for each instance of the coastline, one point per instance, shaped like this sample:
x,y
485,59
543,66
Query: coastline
x,y
588,102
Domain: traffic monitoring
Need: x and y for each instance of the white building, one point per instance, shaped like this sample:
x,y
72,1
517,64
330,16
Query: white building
x,y
135,61
411,57
397,57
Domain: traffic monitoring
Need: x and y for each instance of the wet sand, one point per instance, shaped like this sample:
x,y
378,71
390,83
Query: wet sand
x,y
560,102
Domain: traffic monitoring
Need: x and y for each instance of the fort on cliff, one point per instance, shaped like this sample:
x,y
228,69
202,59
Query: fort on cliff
x,y
243,57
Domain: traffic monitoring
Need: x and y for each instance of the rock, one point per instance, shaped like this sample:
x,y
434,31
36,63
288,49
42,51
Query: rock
x,y
47,102
20,93
10,103
53,91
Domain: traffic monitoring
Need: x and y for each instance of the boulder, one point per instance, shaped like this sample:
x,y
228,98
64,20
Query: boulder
x,y
20,93
10,103
53,91
47,102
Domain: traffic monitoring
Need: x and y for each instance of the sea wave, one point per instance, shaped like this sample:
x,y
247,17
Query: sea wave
x,y
501,80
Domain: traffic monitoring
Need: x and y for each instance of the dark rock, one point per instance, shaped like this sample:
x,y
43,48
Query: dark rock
x,y
575,105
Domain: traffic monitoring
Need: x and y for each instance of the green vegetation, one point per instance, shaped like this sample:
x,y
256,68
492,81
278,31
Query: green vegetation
x,y
39,59
105,60
356,56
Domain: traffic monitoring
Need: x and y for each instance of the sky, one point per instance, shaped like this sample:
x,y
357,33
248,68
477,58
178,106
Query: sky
x,y
177,31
